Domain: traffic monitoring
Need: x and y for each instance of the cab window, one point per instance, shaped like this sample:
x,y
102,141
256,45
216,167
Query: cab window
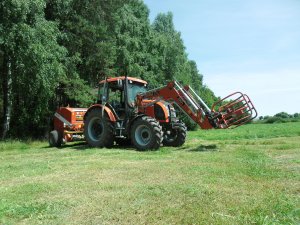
x,y
133,89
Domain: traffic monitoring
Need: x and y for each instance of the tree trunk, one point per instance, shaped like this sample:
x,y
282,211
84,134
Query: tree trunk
x,y
7,98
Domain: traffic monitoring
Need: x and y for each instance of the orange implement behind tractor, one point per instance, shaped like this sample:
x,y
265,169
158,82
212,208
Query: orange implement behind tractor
x,y
68,124
127,113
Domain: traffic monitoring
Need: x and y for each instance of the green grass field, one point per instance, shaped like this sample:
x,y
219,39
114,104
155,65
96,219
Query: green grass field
x,y
249,175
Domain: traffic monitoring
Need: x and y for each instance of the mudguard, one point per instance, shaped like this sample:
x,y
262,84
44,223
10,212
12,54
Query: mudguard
x,y
109,112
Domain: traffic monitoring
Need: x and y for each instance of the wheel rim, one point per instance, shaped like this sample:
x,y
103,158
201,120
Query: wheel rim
x,y
95,128
143,135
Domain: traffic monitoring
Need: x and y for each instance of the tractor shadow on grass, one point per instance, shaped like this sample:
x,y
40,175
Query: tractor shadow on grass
x,y
76,146
204,148
81,146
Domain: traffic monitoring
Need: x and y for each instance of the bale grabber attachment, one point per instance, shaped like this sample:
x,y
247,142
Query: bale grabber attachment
x,y
234,110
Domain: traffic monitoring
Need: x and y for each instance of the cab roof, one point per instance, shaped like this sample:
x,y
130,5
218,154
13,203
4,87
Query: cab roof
x,y
113,79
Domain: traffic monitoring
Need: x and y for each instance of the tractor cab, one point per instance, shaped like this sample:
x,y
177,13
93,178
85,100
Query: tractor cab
x,y
119,93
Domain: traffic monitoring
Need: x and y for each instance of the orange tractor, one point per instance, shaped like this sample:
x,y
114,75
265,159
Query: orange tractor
x,y
127,113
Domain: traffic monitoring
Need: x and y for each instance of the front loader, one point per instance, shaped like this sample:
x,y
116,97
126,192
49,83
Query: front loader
x,y
127,113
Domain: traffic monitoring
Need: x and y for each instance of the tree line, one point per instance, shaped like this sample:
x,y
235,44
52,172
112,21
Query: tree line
x,y
54,52
281,117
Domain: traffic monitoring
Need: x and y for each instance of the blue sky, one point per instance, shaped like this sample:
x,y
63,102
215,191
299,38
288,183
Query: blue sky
x,y
249,46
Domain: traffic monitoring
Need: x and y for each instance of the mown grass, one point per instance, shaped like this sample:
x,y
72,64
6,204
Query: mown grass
x,y
248,175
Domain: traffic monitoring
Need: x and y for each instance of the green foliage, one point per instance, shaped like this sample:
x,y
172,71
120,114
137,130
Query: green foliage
x,y
76,93
274,119
191,125
132,31
281,117
1,89
36,63
170,48
86,34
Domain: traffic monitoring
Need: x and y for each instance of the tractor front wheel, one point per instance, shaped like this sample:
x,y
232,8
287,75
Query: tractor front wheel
x,y
175,137
98,130
146,133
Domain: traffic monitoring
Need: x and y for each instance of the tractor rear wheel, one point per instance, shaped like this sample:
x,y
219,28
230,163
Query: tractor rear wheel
x,y
98,130
146,133
55,139
176,136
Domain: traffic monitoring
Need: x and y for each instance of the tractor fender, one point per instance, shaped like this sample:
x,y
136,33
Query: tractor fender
x,y
164,107
109,112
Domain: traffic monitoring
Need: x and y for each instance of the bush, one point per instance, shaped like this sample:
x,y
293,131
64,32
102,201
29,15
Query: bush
x,y
274,119
283,115
189,124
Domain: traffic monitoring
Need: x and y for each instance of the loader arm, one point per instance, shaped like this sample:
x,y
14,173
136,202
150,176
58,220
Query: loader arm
x,y
225,113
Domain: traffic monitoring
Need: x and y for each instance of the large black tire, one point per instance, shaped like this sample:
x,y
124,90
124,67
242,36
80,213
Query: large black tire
x,y
55,139
98,131
175,137
146,133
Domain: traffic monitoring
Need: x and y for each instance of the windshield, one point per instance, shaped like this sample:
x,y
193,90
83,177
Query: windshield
x,y
133,90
